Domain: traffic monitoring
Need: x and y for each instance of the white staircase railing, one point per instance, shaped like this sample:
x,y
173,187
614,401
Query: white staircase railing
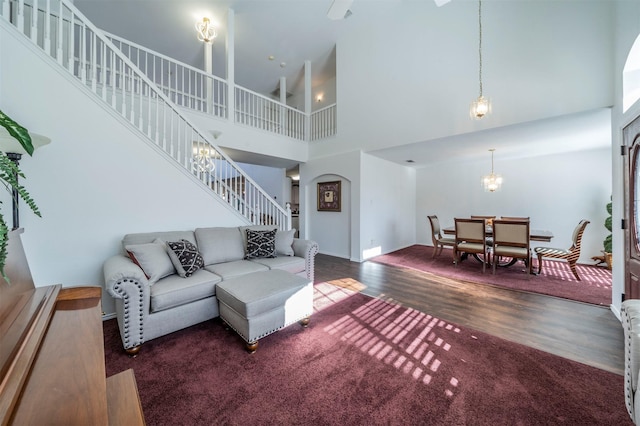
x,y
323,122
193,88
63,33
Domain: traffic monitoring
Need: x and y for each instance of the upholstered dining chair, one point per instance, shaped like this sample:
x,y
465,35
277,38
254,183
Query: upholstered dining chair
x,y
436,236
571,254
488,222
470,238
512,239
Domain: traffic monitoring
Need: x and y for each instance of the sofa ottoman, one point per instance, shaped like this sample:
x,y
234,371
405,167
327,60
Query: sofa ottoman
x,y
260,303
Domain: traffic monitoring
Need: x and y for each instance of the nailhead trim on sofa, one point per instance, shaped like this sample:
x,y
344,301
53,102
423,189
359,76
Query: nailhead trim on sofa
x,y
129,341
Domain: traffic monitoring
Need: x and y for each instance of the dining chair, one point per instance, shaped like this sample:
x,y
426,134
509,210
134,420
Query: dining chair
x,y
512,239
571,254
436,236
488,222
470,238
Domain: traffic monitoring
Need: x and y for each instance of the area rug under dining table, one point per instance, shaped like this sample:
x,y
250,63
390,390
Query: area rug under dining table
x,y
362,361
556,278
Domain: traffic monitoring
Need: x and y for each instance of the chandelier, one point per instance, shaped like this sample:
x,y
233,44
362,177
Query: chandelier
x,y
202,158
206,31
492,182
481,106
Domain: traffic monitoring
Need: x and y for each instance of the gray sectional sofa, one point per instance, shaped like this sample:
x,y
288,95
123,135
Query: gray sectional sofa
x,y
165,281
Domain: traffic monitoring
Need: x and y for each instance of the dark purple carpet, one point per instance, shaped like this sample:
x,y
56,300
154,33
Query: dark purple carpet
x,y
363,361
556,278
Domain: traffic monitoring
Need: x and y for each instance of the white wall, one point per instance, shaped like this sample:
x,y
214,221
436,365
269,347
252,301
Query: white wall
x,y
327,89
388,206
328,92
556,192
95,182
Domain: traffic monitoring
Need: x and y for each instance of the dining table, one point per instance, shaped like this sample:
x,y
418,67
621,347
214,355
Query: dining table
x,y
534,234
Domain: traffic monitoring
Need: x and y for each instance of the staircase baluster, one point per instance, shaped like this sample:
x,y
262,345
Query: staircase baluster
x,y
34,21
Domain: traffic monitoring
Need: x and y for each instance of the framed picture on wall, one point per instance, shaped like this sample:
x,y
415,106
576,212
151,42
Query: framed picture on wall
x,y
329,196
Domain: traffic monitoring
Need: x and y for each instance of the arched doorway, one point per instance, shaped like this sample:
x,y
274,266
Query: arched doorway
x,y
330,228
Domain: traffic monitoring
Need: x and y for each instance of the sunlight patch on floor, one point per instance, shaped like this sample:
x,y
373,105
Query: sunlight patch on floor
x,y
327,293
404,338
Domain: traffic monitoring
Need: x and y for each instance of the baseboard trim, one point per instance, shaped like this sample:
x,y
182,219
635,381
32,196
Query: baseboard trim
x,y
616,312
106,317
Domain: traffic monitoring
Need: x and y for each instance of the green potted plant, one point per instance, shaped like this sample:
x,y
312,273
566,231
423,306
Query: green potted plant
x,y
609,239
9,174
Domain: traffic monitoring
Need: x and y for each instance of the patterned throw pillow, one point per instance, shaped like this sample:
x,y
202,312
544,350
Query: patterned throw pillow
x,y
261,244
185,257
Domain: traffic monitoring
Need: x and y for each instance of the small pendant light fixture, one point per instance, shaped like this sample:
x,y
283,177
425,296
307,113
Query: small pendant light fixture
x,y
492,182
481,106
206,31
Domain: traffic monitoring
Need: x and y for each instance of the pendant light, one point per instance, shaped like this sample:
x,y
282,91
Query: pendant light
x,y
492,182
481,106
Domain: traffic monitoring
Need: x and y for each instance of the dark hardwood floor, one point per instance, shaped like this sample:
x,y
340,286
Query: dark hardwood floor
x,y
582,332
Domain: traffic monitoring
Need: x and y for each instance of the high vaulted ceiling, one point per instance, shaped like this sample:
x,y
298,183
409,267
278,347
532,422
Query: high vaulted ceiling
x,y
290,31
294,31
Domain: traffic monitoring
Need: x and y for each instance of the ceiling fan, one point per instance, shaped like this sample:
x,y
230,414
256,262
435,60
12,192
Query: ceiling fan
x,y
339,9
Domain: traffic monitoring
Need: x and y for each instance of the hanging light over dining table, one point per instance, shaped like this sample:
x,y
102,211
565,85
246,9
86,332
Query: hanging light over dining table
x,y
492,182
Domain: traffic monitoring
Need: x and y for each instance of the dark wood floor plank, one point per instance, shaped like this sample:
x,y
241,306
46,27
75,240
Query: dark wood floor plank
x,y
582,332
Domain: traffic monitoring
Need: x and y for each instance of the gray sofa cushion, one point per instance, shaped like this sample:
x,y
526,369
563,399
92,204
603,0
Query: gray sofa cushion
x,y
233,269
217,245
291,264
152,258
175,291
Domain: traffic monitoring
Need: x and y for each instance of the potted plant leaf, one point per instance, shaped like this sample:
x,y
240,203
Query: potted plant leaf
x,y
9,174
609,238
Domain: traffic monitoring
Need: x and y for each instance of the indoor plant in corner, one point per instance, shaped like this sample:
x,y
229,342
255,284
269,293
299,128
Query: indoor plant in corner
x,y
608,240
9,174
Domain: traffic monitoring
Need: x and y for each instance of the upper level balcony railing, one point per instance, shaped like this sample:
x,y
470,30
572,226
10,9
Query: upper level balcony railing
x,y
323,123
193,88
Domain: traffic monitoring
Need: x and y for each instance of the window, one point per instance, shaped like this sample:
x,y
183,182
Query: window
x,y
631,77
